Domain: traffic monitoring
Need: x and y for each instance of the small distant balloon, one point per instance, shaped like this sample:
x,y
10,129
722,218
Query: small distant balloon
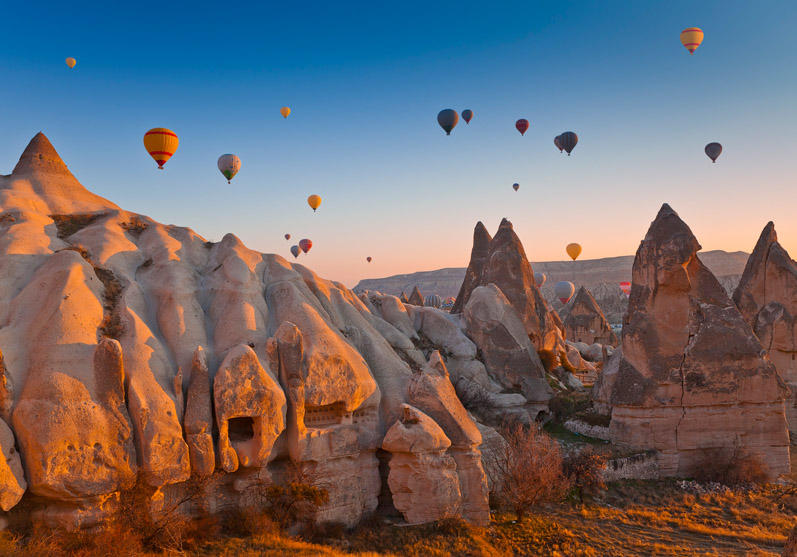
x,y
467,114
515,186
295,251
448,119
626,288
691,38
305,245
285,111
287,236
71,62
314,201
161,144
433,301
229,165
713,150
522,125
564,290
557,143
368,259
540,278
573,250
567,141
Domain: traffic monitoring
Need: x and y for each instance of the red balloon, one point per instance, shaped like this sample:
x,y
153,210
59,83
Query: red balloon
x,y
368,259
305,244
287,236
522,125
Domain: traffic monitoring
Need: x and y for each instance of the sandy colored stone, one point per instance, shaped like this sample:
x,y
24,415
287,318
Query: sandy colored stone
x,y
198,420
416,298
12,477
422,478
585,321
693,377
250,410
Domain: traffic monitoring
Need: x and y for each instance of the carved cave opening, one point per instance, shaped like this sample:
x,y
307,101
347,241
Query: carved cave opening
x,y
241,429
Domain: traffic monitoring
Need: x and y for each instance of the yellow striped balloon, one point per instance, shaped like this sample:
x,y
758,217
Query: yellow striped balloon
x,y
160,144
691,38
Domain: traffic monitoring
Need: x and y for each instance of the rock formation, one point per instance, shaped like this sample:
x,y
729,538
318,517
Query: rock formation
x,y
767,298
585,321
133,350
416,298
690,380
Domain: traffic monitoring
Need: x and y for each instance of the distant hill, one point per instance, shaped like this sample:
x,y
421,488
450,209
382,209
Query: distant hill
x,y
600,276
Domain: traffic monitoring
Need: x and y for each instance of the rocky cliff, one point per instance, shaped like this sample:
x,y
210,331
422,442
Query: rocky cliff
x,y
136,353
767,298
691,379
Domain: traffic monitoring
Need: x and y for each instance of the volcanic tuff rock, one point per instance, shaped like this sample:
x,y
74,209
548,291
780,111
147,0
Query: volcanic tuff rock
x,y
767,298
690,380
134,350
416,298
585,321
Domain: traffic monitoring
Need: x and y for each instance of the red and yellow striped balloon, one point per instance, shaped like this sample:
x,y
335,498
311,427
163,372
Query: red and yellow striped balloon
x,y
691,38
160,144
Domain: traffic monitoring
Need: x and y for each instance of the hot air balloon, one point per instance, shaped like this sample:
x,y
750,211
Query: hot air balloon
x,y
567,141
556,142
433,300
285,111
305,244
229,165
295,251
515,186
573,250
713,151
691,38
287,236
522,125
447,119
540,278
467,114
71,62
564,290
368,259
314,201
448,303
160,144
626,288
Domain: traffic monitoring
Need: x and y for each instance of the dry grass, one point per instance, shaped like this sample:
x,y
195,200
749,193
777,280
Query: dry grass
x,y
631,518
66,225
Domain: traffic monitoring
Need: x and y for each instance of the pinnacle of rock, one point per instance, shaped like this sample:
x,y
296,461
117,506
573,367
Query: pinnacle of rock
x,y
40,156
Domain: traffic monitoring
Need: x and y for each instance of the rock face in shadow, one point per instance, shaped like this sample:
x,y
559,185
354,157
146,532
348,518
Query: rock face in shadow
x,y
692,381
136,351
585,321
502,261
767,298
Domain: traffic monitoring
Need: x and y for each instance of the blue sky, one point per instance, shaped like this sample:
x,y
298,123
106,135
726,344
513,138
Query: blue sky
x,y
365,81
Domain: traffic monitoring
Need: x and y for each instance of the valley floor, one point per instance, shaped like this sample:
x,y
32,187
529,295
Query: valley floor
x,y
632,518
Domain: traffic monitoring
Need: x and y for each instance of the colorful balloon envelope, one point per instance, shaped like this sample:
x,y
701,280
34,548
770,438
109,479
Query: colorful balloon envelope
x,y
287,236
691,37
305,245
564,290
626,288
567,141
161,144
71,62
368,259
467,115
229,165
448,119
573,250
433,301
540,278
314,201
515,186
295,251
713,150
557,143
285,111
522,125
